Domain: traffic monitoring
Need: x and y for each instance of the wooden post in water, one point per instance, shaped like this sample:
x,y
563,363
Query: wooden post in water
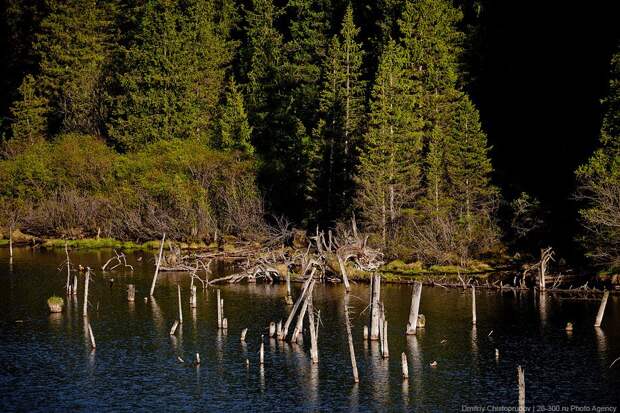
x,y
521,379
92,336
384,347
180,308
601,310
272,329
131,293
161,251
287,324
314,348
197,359
68,285
403,357
365,332
261,353
243,333
412,325
375,307
351,348
86,281
75,285
219,310
473,305
11,241
174,327
289,297
279,330
192,297
224,324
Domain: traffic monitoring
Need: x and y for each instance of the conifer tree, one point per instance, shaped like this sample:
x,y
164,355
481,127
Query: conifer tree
x,y
72,48
599,182
29,117
389,170
234,131
173,76
342,116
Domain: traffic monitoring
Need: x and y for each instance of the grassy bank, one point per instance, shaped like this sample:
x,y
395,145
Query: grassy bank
x,y
94,243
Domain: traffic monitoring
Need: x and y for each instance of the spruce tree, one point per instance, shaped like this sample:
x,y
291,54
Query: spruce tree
x,y
173,76
234,131
390,164
599,183
72,48
342,117
29,115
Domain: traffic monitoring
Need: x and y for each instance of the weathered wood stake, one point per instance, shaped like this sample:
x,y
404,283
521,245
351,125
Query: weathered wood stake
x,y
219,310
521,379
224,324
314,350
131,293
272,329
386,351
75,284
261,353
473,305
601,310
197,359
92,336
11,241
68,286
243,333
375,307
351,347
403,357
192,297
86,282
180,308
300,319
412,325
279,330
289,297
174,327
365,332
161,251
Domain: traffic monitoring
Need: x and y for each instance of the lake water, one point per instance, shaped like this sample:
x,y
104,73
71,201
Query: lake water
x,y
46,363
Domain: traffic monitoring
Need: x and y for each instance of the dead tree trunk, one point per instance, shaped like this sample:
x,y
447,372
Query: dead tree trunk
x,y
314,349
86,282
351,348
161,251
412,325
296,306
375,311
601,310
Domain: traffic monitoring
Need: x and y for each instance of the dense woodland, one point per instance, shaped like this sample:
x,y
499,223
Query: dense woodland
x,y
203,117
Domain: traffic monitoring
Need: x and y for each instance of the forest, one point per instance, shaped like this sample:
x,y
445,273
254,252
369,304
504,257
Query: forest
x,y
126,119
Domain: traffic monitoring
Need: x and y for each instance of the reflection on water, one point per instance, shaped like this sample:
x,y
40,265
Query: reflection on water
x,y
46,359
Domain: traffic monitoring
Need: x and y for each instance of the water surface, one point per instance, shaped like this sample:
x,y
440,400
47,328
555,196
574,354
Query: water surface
x,y
46,363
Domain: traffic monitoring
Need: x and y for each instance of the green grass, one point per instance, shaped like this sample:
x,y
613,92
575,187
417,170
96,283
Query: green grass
x,y
55,300
4,242
93,243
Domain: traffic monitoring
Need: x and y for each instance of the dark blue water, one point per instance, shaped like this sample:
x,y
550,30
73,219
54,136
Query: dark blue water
x,y
46,363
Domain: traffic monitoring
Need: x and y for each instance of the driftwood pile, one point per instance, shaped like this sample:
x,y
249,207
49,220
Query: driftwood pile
x,y
327,256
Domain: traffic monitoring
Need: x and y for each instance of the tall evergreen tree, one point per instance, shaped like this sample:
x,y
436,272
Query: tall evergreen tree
x,y
29,115
234,131
72,48
342,117
173,77
390,166
599,182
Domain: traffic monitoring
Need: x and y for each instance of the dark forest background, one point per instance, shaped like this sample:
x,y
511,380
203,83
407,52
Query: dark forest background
x,y
536,73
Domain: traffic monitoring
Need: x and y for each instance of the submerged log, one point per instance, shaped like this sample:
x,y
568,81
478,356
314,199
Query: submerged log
x,y
287,324
521,380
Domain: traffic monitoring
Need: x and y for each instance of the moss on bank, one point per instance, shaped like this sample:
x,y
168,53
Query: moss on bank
x,y
93,243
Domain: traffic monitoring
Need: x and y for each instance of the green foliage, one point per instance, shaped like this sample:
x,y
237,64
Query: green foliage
x,y
234,131
389,173
599,182
172,77
55,300
72,48
341,123
29,118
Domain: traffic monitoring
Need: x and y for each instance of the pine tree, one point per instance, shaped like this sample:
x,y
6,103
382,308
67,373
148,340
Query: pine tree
x,y
173,77
599,182
342,116
72,48
29,117
234,131
389,170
